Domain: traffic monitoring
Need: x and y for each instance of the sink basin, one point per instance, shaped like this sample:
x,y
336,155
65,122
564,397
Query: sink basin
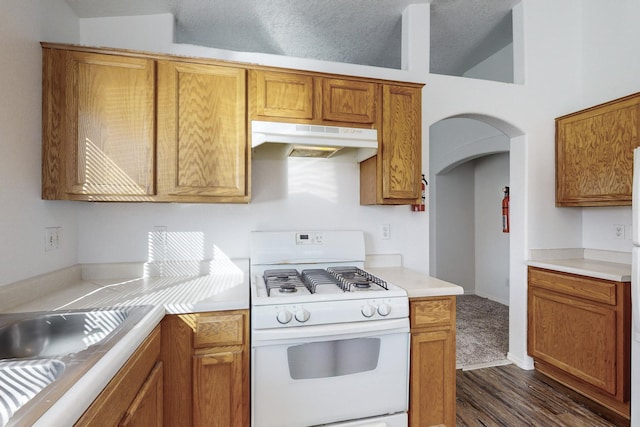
x,y
22,381
55,334
44,354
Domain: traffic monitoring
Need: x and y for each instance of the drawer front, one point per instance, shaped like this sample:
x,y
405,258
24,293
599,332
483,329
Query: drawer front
x,y
432,312
219,330
592,289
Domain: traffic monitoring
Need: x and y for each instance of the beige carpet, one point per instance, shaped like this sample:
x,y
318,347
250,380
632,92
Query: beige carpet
x,y
482,332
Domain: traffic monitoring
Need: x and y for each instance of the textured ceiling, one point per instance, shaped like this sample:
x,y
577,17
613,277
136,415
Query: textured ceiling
x,y
366,32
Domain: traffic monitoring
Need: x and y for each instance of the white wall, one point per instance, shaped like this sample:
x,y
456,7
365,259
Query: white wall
x,y
491,175
611,67
498,67
24,216
454,244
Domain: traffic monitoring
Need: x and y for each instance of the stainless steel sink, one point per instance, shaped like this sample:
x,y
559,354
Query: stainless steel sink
x,y
56,334
48,352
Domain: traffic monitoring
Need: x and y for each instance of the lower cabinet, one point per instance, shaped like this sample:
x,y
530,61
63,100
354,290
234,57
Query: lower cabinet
x,y
207,369
432,383
579,335
134,397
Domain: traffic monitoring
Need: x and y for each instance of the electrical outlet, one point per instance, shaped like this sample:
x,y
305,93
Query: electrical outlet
x,y
385,232
52,238
618,231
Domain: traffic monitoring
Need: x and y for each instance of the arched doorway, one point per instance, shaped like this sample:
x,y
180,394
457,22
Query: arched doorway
x,y
470,162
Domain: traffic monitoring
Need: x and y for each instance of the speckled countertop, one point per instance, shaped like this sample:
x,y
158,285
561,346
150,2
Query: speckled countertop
x,y
598,264
415,283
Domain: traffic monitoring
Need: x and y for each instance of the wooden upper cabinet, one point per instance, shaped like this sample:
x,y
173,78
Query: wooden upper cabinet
x,y
594,154
202,141
307,98
98,126
284,95
394,175
348,101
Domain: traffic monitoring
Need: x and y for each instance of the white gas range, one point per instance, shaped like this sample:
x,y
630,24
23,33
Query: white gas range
x,y
322,326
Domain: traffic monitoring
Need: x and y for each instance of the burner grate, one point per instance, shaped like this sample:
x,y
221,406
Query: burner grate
x,y
285,281
318,277
354,278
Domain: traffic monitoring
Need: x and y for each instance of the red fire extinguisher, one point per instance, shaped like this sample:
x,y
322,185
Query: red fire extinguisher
x,y
505,210
420,207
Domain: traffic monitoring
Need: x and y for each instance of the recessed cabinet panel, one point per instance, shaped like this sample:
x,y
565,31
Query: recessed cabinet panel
x,y
401,148
348,101
98,127
594,154
202,148
578,334
432,394
285,95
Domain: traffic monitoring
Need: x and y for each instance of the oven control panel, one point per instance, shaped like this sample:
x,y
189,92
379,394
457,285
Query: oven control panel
x,y
328,312
310,238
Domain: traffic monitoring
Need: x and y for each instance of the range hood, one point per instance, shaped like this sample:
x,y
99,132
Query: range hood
x,y
316,141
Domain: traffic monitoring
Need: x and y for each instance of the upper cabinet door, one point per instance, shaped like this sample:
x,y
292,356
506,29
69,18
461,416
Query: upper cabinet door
x,y
401,144
202,141
284,95
98,121
594,154
348,101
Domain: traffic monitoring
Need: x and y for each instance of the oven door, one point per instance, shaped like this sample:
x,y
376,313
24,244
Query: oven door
x,y
312,375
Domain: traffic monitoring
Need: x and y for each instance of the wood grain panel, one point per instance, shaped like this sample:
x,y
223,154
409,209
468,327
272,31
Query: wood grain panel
x,y
146,409
589,288
594,154
217,383
579,338
98,126
432,383
348,101
177,349
111,405
401,143
284,95
219,330
432,312
576,336
202,144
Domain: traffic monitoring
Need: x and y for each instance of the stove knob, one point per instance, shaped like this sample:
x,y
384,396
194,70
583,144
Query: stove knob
x,y
368,310
384,309
302,315
284,316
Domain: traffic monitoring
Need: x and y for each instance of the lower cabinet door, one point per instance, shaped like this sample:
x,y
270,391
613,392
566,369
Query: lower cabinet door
x,y
433,384
218,390
575,335
146,409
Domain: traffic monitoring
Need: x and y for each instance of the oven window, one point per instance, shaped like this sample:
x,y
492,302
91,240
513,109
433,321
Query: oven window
x,y
333,358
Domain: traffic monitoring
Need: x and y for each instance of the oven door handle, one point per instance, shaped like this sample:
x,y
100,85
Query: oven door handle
x,y
338,331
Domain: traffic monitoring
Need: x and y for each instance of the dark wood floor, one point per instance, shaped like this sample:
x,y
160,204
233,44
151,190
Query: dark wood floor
x,y
513,397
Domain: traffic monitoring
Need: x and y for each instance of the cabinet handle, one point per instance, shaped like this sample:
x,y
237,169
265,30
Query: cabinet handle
x,y
218,358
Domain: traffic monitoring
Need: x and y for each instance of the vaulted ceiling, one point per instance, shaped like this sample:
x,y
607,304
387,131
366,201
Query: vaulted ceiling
x,y
367,32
